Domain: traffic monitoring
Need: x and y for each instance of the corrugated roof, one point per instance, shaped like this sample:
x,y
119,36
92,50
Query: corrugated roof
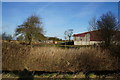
x,y
93,35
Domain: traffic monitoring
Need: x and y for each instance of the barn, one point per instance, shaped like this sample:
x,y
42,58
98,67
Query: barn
x,y
86,38
91,38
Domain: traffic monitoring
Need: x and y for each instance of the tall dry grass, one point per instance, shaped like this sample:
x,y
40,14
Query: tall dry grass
x,y
18,57
57,59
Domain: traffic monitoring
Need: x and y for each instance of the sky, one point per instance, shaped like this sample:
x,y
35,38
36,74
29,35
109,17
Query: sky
x,y
60,0
56,16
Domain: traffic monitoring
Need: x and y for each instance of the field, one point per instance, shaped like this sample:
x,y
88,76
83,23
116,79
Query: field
x,y
57,62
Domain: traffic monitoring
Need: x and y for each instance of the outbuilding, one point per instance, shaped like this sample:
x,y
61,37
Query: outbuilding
x,y
87,38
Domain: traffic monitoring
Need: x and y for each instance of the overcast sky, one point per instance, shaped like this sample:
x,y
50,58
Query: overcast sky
x,y
56,16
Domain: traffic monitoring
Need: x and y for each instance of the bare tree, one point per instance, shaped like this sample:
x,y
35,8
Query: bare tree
x,y
93,24
107,25
107,28
68,34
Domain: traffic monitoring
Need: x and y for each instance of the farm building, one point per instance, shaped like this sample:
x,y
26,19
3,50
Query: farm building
x,y
89,38
86,38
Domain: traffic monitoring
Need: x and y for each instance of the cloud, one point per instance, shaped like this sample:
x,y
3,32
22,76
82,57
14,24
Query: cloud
x,y
55,21
41,9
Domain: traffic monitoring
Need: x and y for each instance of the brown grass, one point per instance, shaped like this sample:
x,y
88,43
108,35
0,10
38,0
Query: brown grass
x,y
18,57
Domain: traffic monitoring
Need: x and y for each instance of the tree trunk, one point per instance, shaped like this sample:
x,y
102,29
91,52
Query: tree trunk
x,y
30,41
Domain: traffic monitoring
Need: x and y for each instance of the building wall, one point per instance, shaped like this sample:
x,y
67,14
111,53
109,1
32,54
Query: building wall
x,y
84,40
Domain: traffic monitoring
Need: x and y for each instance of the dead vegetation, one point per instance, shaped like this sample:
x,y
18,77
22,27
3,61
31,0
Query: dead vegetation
x,y
54,59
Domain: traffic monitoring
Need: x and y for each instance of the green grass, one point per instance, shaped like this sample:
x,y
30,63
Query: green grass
x,y
66,76
9,75
52,75
92,75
